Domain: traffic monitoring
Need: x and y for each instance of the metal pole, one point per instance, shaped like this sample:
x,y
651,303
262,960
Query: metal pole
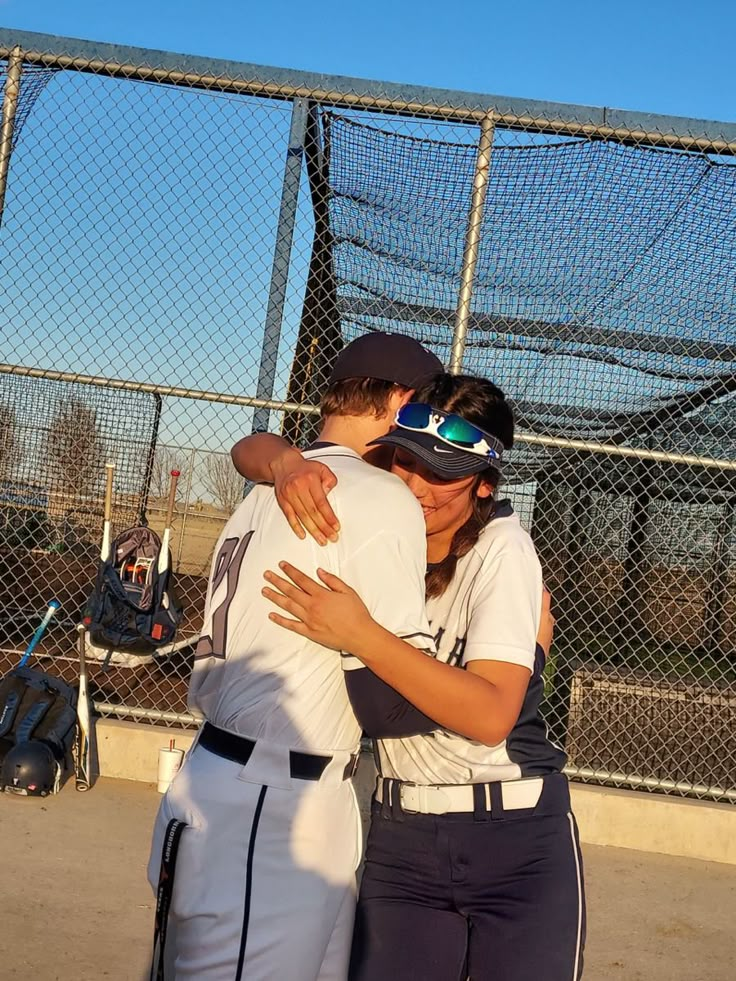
x,y
148,476
124,385
10,104
612,449
472,241
618,779
225,398
299,85
281,260
155,715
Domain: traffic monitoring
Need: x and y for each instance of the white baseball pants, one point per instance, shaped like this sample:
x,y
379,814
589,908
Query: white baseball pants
x,y
264,885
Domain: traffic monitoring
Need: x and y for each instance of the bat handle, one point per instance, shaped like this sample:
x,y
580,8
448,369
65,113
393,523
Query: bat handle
x,y
53,607
81,643
110,468
175,474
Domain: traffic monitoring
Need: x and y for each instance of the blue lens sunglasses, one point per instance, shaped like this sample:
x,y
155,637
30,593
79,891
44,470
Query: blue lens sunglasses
x,y
454,430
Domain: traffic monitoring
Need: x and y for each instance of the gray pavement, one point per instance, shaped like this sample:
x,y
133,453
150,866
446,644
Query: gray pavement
x,y
77,906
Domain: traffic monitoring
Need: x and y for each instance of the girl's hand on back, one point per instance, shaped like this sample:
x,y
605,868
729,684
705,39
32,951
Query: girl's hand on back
x,y
331,614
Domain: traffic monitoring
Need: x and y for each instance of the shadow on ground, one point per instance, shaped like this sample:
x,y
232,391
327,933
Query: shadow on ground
x,y
79,907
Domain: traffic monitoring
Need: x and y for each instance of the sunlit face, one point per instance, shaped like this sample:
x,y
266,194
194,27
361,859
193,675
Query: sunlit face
x,y
446,504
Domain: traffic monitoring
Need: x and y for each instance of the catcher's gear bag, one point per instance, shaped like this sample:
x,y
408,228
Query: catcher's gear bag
x,y
134,607
31,769
37,707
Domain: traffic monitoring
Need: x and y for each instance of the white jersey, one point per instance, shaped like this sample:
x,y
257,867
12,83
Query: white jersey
x,y
490,611
260,680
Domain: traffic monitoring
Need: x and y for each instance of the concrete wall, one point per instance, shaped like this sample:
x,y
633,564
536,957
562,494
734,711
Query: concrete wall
x,y
625,819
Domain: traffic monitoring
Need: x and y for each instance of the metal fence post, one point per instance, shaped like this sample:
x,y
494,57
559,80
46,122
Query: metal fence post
x,y
319,339
717,594
634,583
281,260
571,603
472,242
10,104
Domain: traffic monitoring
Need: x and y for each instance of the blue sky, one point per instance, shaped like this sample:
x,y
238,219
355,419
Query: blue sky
x,y
118,238
664,56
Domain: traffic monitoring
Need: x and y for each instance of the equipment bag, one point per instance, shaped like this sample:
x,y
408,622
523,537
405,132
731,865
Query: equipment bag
x,y
36,705
134,607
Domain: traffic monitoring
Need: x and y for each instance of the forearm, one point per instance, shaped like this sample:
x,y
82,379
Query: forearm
x,y
382,712
254,456
456,699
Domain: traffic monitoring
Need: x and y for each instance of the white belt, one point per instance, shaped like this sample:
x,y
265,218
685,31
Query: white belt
x,y
451,798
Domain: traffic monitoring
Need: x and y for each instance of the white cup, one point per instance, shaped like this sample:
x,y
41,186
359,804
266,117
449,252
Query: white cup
x,y
169,761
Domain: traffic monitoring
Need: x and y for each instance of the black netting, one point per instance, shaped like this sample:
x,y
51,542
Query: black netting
x,y
33,81
603,305
603,298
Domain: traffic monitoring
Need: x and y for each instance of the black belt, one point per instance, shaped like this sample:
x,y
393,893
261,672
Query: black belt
x,y
239,749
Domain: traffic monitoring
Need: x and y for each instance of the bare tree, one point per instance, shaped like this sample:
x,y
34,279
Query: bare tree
x,y
74,449
222,481
9,447
166,459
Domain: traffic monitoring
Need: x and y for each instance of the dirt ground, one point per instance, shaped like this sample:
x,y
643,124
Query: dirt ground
x,y
79,909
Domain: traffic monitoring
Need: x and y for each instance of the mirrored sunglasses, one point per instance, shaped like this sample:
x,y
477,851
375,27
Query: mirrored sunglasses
x,y
454,430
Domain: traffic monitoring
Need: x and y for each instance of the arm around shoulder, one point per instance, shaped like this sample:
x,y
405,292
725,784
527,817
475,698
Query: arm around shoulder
x,y
255,456
301,485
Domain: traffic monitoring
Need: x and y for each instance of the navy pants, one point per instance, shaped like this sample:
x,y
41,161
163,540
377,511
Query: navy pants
x,y
489,897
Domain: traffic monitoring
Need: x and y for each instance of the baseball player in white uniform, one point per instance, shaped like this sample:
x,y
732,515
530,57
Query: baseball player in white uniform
x,y
261,825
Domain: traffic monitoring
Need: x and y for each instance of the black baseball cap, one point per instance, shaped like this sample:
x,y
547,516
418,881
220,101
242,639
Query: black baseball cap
x,y
388,357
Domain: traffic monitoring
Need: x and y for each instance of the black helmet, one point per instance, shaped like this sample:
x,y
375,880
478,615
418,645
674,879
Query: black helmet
x,y
30,769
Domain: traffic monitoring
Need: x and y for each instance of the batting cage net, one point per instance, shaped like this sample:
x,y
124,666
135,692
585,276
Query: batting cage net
x,y
30,84
185,246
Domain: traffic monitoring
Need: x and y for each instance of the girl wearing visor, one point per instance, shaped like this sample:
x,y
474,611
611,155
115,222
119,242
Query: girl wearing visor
x,y
473,866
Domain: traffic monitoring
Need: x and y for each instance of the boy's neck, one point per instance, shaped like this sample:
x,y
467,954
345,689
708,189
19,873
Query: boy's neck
x,y
354,432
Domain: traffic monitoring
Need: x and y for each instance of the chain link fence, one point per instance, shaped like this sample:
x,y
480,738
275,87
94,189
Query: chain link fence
x,y
185,246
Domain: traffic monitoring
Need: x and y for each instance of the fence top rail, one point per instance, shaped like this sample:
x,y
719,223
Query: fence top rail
x,y
552,442
423,101
122,384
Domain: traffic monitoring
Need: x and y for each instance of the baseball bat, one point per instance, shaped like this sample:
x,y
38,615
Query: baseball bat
x,y
107,526
163,555
53,607
83,774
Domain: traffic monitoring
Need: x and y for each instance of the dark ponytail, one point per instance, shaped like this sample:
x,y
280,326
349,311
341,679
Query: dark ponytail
x,y
484,404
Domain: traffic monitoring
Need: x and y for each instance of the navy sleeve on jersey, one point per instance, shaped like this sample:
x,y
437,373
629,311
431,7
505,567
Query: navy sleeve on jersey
x,y
381,710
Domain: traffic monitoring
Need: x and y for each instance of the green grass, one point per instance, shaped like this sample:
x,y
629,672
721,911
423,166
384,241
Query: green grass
x,y
649,656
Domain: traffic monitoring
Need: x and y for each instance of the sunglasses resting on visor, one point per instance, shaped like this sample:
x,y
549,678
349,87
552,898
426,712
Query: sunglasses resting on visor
x,y
454,430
